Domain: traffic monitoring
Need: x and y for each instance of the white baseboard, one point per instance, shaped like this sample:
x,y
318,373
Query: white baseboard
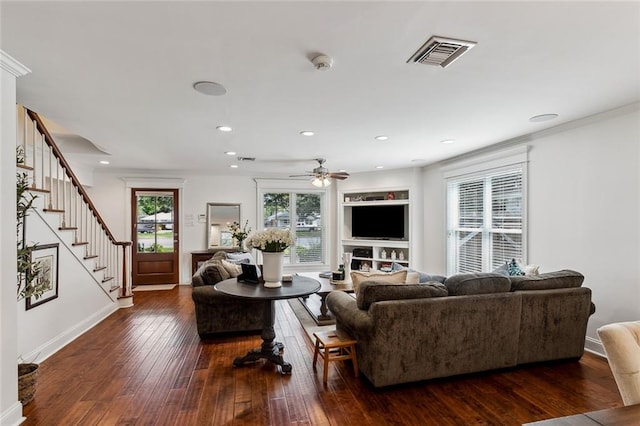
x,y
594,346
54,345
13,415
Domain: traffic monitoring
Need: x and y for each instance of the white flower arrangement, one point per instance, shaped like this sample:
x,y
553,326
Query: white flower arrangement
x,y
271,240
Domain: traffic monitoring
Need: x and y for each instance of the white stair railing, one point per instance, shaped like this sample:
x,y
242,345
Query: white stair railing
x,y
52,176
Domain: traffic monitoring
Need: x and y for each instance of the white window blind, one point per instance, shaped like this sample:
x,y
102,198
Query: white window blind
x,y
485,219
300,212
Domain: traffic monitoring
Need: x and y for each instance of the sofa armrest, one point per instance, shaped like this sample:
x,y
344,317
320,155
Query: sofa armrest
x,y
344,308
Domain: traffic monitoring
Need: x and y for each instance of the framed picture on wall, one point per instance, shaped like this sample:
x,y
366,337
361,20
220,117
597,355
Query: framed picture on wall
x,y
46,258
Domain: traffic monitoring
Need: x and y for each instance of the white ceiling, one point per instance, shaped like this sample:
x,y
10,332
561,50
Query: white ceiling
x,y
120,74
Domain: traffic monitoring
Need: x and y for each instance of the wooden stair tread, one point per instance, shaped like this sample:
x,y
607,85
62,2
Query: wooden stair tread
x,y
99,268
68,228
53,210
80,243
90,256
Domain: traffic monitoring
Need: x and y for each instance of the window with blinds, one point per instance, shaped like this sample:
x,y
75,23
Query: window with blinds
x,y
485,219
301,213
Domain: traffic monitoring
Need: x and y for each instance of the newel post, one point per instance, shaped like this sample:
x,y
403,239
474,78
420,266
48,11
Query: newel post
x,y
125,299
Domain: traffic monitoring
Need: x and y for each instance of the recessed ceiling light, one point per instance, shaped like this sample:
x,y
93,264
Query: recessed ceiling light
x,y
447,141
209,88
307,133
234,166
230,152
381,138
379,167
224,128
543,117
104,162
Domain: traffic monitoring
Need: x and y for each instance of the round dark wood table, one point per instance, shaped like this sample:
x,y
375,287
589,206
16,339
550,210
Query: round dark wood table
x,y
270,349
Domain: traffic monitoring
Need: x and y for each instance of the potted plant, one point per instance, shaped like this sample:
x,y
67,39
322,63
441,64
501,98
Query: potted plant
x,y
239,234
272,242
28,272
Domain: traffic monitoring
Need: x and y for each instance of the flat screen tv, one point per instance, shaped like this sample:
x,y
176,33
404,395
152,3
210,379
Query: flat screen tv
x,y
378,222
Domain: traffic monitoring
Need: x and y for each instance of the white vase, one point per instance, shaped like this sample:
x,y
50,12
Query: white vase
x,y
272,264
346,260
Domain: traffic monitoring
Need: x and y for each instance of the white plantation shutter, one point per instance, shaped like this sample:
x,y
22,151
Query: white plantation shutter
x,y
485,219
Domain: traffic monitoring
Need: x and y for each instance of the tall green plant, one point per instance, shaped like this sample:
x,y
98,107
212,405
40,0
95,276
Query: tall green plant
x,y
28,271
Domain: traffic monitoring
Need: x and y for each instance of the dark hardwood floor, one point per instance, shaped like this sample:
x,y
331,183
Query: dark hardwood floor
x,y
147,365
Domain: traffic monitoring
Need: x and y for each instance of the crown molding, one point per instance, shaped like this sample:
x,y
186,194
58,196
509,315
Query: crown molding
x,y
10,65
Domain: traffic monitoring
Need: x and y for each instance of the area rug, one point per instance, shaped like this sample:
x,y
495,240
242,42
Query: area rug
x,y
307,321
154,287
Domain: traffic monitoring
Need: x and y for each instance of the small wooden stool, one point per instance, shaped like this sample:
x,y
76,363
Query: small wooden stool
x,y
334,346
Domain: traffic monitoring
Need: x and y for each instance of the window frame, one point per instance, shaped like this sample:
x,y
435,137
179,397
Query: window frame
x,y
292,187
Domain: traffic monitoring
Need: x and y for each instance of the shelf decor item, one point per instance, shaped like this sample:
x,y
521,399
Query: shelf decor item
x,y
346,259
272,242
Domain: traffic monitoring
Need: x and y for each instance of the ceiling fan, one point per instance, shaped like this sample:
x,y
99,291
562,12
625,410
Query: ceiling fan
x,y
322,176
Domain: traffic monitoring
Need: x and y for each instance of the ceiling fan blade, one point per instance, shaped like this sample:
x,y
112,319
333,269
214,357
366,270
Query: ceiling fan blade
x,y
339,175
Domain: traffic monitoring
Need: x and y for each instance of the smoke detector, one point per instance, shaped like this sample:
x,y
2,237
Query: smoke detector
x,y
322,62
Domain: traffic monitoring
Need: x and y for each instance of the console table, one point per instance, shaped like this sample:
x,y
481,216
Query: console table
x,y
270,349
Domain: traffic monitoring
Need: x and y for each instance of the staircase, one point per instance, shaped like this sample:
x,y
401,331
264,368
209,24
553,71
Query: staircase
x,y
68,210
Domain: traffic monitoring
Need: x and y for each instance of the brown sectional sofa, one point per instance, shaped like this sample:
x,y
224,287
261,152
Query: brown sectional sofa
x,y
471,323
218,313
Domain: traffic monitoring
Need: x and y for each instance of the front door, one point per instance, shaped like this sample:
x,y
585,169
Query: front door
x,y
154,222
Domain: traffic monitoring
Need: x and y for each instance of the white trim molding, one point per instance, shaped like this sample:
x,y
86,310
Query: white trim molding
x,y
485,162
12,66
159,182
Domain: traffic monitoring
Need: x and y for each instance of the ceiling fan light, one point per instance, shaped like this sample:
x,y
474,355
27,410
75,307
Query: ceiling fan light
x,y
320,182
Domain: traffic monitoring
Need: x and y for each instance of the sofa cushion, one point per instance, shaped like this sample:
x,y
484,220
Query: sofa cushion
x,y
375,291
239,258
358,277
232,269
477,283
213,272
548,281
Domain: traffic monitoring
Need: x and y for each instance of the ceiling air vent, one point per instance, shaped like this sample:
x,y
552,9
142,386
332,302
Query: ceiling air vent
x,y
441,51
246,158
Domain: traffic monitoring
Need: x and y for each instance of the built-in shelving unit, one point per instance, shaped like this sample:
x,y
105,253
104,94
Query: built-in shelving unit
x,y
376,253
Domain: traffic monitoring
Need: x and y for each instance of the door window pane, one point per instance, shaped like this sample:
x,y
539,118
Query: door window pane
x,y
154,223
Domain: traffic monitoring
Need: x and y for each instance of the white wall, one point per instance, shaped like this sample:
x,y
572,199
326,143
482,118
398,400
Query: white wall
x,y
110,190
584,210
81,301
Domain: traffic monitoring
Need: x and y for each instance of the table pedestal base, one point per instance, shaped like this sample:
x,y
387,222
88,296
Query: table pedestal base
x,y
272,354
270,349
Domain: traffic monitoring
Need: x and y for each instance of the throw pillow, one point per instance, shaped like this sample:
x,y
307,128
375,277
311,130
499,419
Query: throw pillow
x,y
239,258
213,272
502,269
413,277
232,269
513,269
397,277
530,269
422,276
